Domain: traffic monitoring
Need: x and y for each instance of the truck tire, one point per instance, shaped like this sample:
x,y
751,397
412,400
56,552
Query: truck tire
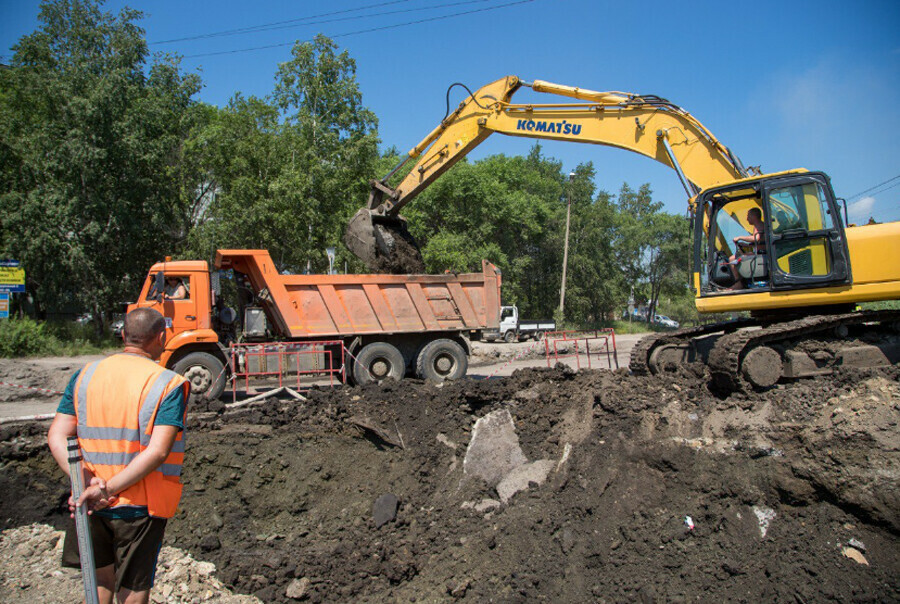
x,y
442,360
538,336
378,361
510,336
205,373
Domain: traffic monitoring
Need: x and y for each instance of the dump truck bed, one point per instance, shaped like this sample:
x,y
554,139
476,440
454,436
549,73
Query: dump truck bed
x,y
312,306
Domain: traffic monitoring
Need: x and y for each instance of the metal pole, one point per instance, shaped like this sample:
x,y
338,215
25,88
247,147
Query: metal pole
x,y
562,290
82,530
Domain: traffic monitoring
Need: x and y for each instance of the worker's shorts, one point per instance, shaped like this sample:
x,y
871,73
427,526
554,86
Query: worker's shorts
x,y
131,546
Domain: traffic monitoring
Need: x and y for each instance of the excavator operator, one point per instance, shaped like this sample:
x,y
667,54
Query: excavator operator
x,y
754,242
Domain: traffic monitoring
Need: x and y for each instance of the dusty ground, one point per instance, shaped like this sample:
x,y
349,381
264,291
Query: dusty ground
x,y
489,359
788,492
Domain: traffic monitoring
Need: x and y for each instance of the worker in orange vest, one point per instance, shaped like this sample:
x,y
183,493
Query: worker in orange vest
x,y
128,414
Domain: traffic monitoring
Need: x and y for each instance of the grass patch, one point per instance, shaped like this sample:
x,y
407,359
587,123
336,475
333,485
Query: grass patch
x,y
30,338
632,327
883,305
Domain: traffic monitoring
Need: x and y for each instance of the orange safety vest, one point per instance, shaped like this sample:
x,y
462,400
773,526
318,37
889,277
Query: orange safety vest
x,y
116,402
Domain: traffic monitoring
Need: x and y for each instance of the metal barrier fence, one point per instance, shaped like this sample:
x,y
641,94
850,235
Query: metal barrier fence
x,y
575,344
281,359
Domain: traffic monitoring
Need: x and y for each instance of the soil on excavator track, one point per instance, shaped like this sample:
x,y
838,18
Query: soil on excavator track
x,y
658,491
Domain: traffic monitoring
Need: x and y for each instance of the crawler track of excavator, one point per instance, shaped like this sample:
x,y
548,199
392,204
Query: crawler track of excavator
x,y
745,359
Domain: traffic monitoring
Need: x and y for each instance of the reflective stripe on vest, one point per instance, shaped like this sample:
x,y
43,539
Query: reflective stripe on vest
x,y
81,394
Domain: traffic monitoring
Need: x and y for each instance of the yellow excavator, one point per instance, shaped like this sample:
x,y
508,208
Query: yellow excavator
x,y
775,245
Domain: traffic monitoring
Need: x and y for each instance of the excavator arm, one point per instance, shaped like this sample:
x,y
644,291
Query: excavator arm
x,y
645,124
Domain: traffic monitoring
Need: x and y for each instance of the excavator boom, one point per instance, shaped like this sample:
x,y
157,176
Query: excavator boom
x,y
645,124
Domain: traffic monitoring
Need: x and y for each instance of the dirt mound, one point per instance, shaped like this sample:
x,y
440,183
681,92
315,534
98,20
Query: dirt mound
x,y
628,488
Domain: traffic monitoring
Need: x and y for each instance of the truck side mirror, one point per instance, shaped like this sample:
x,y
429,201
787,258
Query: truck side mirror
x,y
158,287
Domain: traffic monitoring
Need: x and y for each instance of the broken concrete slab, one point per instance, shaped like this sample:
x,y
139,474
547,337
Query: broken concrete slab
x,y
494,449
521,478
442,438
385,509
297,589
855,555
485,505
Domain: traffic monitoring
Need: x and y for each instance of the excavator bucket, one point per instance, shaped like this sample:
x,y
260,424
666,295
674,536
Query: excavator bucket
x,y
383,243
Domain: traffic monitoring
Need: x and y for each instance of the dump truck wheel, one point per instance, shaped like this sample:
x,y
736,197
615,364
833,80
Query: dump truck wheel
x,y
510,336
378,361
205,374
442,360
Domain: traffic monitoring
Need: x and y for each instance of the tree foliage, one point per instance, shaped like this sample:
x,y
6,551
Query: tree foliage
x,y
287,172
92,132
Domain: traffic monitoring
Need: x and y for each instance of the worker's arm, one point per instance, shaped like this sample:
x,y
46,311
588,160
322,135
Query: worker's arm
x,y
61,429
148,460
180,293
754,238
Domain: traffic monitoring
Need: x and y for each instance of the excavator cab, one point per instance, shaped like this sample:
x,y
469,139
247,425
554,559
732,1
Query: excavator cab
x,y
800,242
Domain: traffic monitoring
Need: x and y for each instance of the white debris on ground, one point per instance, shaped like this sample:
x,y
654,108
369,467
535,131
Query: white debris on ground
x,y
764,516
30,572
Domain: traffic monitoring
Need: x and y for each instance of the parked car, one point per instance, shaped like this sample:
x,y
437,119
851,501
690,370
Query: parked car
x,y
664,321
116,327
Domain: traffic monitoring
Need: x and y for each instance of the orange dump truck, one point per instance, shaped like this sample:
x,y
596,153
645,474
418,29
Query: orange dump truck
x,y
389,325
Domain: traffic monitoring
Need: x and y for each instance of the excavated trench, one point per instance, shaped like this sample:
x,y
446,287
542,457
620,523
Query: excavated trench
x,y
645,489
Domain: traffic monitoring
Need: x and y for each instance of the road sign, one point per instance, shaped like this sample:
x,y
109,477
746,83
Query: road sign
x,y
12,276
4,305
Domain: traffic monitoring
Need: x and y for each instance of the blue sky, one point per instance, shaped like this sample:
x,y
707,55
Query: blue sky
x,y
784,84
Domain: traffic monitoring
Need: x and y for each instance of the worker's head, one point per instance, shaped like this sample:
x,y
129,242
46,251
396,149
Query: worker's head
x,y
754,216
172,280
145,328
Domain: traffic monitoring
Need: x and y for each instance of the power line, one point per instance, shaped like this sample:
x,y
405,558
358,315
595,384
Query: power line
x,y
262,26
364,31
861,193
896,184
304,21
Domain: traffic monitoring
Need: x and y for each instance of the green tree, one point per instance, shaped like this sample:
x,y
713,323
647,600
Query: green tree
x,y
596,281
667,259
504,209
290,170
652,246
92,138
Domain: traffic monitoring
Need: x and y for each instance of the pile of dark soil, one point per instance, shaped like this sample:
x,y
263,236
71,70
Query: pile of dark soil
x,y
775,486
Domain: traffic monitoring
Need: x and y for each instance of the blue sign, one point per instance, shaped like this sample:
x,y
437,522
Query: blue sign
x,y
4,306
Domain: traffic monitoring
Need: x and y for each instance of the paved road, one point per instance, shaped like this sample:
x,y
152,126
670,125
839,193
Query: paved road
x,y
479,368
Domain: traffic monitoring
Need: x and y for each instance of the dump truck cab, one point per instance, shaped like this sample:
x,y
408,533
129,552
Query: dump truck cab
x,y
194,334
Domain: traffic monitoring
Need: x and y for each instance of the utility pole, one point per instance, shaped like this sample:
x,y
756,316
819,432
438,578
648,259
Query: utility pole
x,y
562,290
